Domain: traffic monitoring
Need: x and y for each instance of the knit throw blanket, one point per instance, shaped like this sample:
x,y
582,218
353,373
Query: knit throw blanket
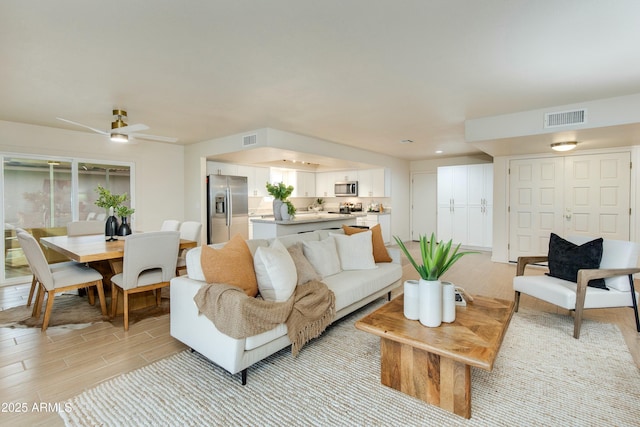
x,y
307,313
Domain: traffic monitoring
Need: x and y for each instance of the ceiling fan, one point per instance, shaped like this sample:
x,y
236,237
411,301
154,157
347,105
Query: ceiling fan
x,y
120,131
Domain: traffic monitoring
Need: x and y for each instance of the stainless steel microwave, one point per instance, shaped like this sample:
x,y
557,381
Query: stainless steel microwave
x,y
346,189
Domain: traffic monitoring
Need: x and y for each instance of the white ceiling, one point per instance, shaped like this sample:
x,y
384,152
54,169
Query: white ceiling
x,y
366,73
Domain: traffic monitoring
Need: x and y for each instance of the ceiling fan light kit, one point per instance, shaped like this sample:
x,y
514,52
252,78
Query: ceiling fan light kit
x,y
564,146
120,130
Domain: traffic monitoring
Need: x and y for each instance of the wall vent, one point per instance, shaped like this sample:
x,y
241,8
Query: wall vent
x,y
565,118
249,140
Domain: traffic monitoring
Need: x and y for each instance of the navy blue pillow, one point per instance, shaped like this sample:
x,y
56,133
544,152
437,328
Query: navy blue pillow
x,y
566,258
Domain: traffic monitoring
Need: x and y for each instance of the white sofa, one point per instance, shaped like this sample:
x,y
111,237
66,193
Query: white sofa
x,y
353,289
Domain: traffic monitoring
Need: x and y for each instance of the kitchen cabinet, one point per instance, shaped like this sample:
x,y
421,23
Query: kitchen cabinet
x,y
219,168
374,183
305,184
465,204
348,175
257,178
325,182
370,220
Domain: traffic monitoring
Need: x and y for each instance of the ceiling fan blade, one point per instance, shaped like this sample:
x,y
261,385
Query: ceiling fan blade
x,y
100,131
155,138
128,130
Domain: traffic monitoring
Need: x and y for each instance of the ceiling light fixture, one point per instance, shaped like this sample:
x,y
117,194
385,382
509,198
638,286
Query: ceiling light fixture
x,y
406,141
117,124
564,146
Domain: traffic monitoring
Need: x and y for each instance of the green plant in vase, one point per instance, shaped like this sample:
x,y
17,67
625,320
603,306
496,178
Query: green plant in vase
x,y
111,202
436,259
124,212
280,192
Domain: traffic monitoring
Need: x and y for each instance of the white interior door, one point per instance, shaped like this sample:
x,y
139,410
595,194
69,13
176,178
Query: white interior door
x,y
424,204
598,195
536,199
587,195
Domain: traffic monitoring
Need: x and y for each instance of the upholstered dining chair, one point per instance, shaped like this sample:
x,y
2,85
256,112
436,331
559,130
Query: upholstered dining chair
x,y
617,267
170,225
149,264
189,230
34,280
64,278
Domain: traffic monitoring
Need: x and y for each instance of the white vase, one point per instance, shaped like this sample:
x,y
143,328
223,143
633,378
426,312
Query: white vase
x,y
430,302
448,302
411,300
284,212
277,211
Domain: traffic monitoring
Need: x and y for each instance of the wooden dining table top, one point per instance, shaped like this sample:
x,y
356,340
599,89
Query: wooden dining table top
x,y
94,247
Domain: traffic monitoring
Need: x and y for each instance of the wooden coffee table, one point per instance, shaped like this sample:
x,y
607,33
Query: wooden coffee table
x,y
434,364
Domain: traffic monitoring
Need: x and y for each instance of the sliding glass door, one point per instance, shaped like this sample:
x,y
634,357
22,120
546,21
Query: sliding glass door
x,y
42,195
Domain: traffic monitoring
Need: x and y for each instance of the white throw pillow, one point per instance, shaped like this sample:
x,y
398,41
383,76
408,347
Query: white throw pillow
x,y
355,251
275,271
322,254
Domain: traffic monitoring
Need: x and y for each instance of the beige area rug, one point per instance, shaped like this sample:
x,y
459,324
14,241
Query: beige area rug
x,y
73,311
542,377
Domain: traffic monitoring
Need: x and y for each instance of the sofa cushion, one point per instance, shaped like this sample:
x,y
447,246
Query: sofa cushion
x,y
353,285
275,272
232,264
304,269
292,239
323,255
355,251
566,258
194,265
380,253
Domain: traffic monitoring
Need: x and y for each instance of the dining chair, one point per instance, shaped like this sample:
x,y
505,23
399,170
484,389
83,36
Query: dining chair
x,y
170,225
34,280
149,264
189,230
61,279
85,228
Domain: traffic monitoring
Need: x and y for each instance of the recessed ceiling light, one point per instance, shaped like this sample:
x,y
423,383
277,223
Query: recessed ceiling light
x,y
406,141
564,146
439,151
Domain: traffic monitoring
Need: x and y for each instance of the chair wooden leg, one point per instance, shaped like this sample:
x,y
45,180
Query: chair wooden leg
x,y
34,283
103,303
125,299
114,300
47,311
92,297
158,296
516,300
38,304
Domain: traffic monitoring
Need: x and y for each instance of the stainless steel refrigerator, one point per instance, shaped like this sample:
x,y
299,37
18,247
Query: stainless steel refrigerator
x,y
227,207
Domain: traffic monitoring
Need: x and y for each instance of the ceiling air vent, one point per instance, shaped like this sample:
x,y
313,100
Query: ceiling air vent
x,y
565,118
249,140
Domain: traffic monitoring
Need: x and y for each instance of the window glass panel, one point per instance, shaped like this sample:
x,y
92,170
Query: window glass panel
x,y
115,178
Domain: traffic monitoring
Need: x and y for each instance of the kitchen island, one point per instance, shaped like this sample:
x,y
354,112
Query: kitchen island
x,y
267,228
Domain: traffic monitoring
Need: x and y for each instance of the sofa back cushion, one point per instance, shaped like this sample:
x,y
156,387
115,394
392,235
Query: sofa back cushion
x,y
304,269
323,255
292,239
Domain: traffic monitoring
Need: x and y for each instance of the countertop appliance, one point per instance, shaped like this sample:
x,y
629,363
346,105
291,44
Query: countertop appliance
x,y
346,189
227,208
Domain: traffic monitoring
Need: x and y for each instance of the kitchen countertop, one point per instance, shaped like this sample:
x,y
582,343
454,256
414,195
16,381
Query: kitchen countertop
x,y
305,218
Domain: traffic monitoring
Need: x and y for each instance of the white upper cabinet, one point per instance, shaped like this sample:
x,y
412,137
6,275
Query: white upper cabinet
x,y
219,168
348,175
324,184
374,183
305,184
257,178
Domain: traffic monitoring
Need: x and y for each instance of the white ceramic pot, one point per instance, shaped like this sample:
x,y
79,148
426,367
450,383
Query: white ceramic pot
x,y
430,302
448,302
277,211
284,212
411,300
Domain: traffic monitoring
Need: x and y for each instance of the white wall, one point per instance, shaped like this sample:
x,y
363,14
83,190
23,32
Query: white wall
x,y
159,167
195,168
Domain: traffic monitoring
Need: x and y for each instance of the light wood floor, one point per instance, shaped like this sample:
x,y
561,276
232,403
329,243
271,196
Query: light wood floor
x,y
59,364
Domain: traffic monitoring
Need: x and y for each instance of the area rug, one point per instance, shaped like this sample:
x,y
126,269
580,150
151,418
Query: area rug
x,y
542,377
73,312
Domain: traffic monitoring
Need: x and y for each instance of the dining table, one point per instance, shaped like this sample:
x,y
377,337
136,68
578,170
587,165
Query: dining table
x,y
101,254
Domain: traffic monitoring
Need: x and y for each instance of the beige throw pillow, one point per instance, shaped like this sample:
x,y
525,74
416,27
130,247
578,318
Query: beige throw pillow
x,y
305,270
322,254
356,251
